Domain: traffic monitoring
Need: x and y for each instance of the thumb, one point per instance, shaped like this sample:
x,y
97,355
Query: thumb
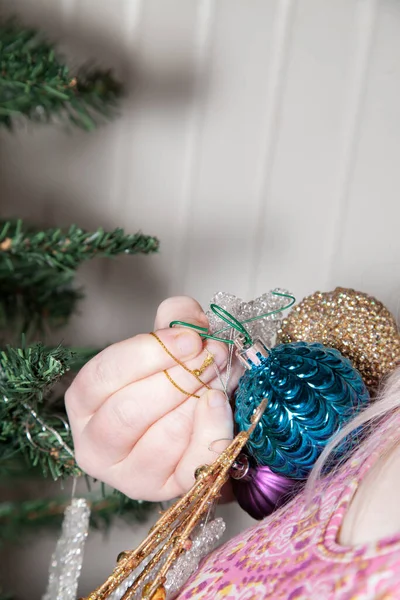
x,y
212,433
180,308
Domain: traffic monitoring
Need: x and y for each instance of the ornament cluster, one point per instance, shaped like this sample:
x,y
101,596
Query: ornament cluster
x,y
330,352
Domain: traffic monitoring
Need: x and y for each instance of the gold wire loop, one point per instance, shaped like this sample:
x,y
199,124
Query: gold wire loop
x,y
196,372
178,387
209,359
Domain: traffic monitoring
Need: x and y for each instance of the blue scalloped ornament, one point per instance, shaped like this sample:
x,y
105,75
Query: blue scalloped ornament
x,y
313,391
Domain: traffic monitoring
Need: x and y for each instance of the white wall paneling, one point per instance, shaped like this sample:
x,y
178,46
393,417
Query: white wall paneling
x,y
259,140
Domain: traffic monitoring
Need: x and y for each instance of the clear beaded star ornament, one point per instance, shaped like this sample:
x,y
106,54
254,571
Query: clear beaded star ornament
x,y
270,304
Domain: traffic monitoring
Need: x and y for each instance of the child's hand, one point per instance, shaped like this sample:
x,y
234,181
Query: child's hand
x,y
132,428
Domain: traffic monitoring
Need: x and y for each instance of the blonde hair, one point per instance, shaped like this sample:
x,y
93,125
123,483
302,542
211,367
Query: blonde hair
x,y
387,401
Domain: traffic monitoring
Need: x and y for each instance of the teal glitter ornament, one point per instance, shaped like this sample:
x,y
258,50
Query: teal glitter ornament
x,y
313,392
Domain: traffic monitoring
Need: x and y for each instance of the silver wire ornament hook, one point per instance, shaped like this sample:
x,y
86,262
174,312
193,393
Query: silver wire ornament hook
x,y
210,447
46,427
250,354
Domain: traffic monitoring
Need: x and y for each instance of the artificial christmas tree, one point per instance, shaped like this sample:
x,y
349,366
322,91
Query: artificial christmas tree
x,y
37,292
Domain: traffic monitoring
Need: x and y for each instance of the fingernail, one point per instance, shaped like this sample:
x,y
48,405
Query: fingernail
x,y
216,399
188,344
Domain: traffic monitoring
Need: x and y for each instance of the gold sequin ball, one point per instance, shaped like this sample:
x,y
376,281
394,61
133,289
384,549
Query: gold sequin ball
x,y
357,325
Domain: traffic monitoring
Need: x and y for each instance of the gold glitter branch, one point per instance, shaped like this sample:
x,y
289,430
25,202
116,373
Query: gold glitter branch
x,y
175,526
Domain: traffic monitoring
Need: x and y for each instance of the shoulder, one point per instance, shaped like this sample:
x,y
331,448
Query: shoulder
x,y
373,513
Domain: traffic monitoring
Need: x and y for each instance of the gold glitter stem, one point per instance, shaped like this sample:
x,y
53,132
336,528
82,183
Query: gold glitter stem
x,y
156,535
176,522
156,558
182,532
193,521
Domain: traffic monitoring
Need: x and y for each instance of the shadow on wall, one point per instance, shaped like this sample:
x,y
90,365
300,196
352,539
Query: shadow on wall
x,y
42,168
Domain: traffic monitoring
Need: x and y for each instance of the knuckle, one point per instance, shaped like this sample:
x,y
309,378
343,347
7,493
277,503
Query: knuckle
x,y
185,475
178,305
124,416
101,371
69,397
85,462
98,372
165,304
89,461
77,390
178,427
73,406
165,308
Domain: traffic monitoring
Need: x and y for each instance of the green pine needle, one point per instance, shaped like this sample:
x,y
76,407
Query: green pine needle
x,y
36,84
37,269
65,251
28,426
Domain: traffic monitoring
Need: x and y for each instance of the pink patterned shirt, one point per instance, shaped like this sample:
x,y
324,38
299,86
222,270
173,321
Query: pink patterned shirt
x,y
294,553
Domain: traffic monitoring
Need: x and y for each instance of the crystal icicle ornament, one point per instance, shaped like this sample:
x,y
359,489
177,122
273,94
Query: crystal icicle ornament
x,y
264,328
66,562
203,541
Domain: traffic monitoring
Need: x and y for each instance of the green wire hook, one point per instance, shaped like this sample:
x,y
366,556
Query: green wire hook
x,y
232,321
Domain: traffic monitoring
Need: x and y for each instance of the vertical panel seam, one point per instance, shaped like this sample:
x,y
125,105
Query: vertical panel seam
x,y
281,42
202,50
117,187
353,113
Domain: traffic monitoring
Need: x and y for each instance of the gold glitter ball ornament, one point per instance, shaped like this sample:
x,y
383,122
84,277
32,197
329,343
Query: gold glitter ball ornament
x,y
357,325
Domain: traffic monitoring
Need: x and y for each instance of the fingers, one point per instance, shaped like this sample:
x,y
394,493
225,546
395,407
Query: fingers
x,y
212,433
183,446
122,363
165,441
180,308
137,358
124,418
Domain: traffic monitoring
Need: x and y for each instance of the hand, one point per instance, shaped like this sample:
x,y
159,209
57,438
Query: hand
x,y
132,428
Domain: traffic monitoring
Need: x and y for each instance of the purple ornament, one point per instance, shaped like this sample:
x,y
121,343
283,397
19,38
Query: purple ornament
x,y
258,490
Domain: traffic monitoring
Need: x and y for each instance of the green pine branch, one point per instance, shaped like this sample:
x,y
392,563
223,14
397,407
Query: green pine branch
x,y
65,251
36,84
27,309
19,518
37,270
27,424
